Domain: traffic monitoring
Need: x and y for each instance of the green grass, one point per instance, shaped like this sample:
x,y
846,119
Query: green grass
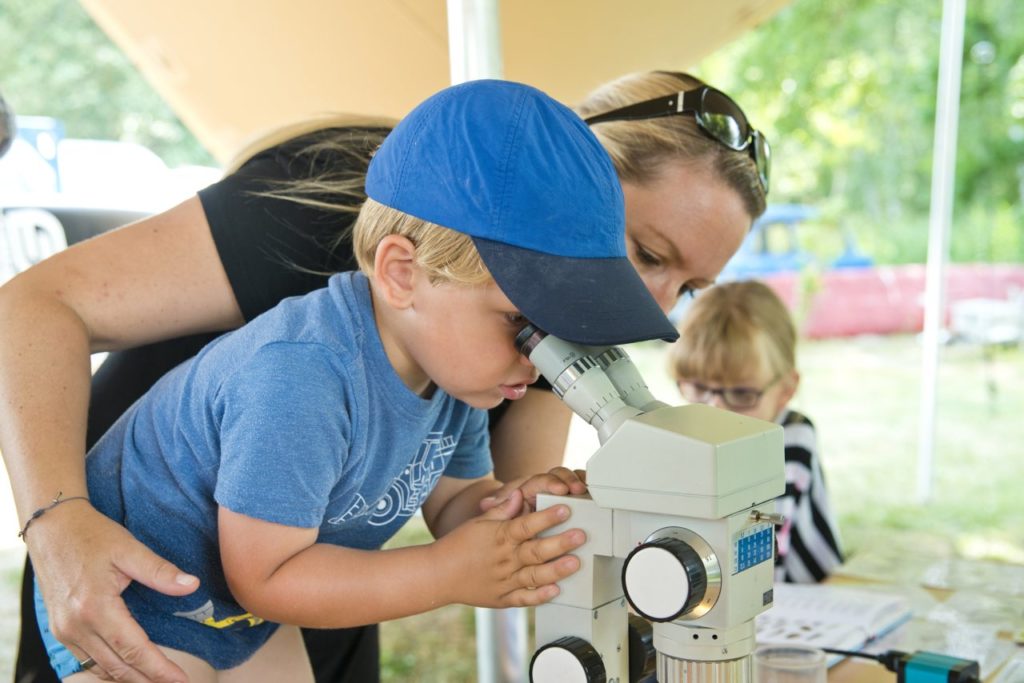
x,y
437,646
864,396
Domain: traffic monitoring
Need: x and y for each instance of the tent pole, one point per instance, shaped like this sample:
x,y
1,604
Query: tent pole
x,y
947,111
474,40
474,50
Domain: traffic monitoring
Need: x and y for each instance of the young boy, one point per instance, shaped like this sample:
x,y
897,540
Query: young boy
x,y
737,350
275,464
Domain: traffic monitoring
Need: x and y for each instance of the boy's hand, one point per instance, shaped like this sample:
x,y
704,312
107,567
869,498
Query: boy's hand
x,y
494,560
560,481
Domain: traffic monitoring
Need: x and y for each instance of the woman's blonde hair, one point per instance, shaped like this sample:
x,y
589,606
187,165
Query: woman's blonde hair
x,y
446,255
323,183
327,158
641,149
733,330
296,129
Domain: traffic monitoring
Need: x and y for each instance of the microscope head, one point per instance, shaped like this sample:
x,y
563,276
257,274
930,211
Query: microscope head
x,y
690,461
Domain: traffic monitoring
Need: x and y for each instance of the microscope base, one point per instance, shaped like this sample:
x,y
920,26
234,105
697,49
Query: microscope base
x,y
671,670
694,654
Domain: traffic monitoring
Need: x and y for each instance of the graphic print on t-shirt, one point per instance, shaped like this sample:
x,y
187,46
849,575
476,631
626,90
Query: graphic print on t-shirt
x,y
204,615
409,489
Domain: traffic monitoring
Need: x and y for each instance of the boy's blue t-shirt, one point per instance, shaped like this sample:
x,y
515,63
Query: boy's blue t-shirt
x,y
298,418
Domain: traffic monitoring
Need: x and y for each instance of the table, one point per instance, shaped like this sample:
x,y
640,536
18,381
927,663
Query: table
x,y
958,574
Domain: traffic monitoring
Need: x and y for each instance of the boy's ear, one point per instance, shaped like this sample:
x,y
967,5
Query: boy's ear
x,y
394,270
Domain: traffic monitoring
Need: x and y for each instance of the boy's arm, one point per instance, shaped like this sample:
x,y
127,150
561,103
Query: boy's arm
x,y
453,501
279,573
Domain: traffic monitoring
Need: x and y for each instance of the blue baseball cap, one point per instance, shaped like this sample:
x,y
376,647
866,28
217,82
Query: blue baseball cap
x,y
524,177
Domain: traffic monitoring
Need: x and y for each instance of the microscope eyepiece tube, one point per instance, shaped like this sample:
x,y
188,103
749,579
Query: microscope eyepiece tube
x,y
624,375
577,378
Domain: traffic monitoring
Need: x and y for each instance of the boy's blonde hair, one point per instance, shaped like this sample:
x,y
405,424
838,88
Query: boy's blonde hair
x,y
733,330
446,255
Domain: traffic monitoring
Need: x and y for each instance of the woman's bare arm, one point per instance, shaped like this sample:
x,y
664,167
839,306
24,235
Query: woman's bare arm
x,y
530,438
155,279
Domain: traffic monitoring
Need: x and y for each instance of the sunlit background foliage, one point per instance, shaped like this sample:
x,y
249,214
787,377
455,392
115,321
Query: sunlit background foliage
x,y
845,90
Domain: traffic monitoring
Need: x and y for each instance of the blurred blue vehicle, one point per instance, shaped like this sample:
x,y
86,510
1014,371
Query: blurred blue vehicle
x,y
773,247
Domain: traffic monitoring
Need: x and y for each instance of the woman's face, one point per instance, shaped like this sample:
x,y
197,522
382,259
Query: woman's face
x,y
681,229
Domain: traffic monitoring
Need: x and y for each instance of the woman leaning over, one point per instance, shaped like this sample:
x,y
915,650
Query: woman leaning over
x,y
694,176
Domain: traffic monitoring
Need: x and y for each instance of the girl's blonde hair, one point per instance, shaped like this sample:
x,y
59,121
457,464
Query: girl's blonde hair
x,y
641,149
446,255
733,330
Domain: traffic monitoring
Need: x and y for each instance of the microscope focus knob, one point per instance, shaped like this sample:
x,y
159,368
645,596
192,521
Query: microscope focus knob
x,y
664,579
567,660
643,657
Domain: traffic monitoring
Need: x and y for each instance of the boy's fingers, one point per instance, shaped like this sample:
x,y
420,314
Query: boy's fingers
x,y
497,497
506,509
531,597
528,526
575,480
540,582
564,473
546,483
550,572
549,548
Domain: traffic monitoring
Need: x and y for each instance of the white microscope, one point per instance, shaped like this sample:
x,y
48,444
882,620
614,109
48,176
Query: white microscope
x,y
680,524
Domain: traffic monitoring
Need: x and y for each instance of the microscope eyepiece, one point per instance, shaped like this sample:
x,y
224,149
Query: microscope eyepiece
x,y
528,338
576,376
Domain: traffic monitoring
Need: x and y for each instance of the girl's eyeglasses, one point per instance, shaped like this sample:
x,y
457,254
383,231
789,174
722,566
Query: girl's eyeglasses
x,y
737,398
717,115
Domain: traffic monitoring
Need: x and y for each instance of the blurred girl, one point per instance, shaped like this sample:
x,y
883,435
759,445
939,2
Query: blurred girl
x,y
737,351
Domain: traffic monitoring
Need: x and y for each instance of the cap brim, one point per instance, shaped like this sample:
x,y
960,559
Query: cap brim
x,y
598,302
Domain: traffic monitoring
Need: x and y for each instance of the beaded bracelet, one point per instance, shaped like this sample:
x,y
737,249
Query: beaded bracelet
x,y
57,500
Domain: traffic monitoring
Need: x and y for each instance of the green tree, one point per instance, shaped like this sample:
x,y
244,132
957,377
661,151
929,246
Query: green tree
x,y
55,61
846,92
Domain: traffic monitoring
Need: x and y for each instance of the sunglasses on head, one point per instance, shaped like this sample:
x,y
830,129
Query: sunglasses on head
x,y
717,115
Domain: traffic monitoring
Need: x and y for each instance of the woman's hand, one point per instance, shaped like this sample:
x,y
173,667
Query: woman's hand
x,y
560,481
83,561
